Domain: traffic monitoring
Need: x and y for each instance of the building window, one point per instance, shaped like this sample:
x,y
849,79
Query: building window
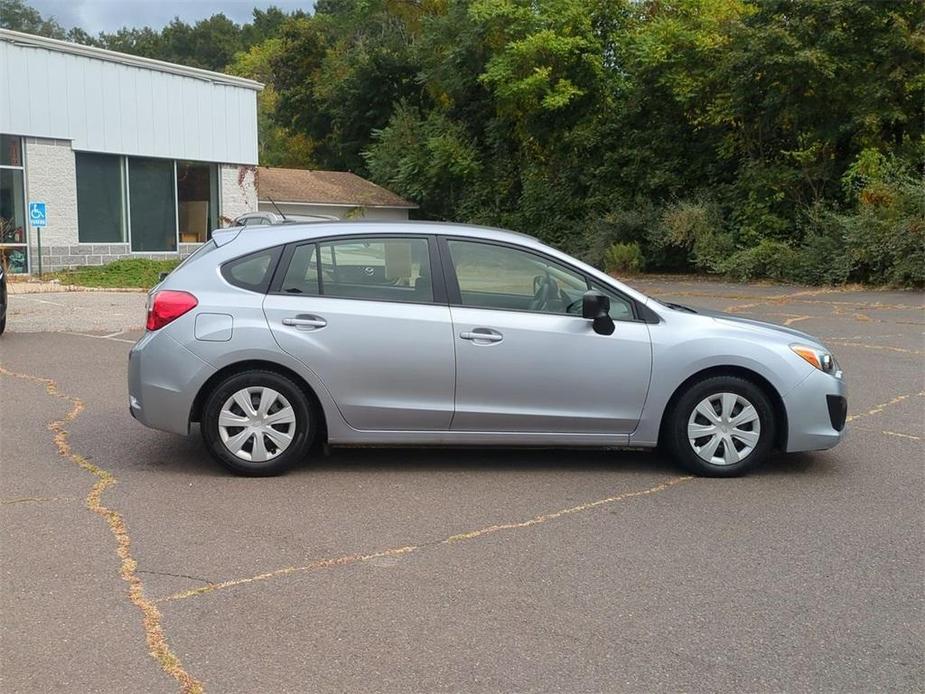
x,y
11,151
14,249
100,198
152,204
197,201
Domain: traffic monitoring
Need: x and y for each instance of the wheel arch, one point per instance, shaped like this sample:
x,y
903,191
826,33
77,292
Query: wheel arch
x,y
777,402
260,365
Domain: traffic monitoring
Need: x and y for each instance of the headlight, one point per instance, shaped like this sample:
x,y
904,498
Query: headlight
x,y
821,359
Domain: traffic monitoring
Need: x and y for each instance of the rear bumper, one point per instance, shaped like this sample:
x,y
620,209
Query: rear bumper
x,y
816,413
163,380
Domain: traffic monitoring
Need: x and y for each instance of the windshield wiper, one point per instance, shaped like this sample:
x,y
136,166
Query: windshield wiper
x,y
679,307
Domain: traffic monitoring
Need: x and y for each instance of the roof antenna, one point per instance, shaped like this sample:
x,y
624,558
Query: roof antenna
x,y
277,208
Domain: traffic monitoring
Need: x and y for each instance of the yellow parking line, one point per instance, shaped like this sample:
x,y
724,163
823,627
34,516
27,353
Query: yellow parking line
x,y
877,409
901,435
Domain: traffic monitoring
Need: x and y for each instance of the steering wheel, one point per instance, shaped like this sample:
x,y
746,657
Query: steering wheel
x,y
575,306
545,290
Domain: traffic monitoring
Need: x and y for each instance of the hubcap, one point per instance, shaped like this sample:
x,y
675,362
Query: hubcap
x,y
256,424
724,428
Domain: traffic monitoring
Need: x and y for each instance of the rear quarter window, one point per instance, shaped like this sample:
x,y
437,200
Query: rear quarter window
x,y
252,272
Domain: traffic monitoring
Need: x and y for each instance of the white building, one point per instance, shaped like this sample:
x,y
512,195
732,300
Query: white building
x,y
131,156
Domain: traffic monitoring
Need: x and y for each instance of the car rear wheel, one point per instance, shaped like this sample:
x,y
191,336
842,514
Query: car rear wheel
x,y
721,427
258,423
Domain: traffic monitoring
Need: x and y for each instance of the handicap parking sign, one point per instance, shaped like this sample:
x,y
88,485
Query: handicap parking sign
x,y
37,214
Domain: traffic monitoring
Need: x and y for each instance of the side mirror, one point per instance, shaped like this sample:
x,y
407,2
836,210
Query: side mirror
x,y
596,307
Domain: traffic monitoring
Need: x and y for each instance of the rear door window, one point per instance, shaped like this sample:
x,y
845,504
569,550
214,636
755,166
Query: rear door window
x,y
302,274
382,269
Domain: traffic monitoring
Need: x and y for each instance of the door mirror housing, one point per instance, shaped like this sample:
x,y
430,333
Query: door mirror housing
x,y
596,307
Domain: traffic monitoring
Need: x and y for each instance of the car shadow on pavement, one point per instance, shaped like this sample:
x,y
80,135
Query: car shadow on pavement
x,y
188,455
793,464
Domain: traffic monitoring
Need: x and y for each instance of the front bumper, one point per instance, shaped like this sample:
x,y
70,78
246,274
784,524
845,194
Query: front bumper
x,y
163,380
816,413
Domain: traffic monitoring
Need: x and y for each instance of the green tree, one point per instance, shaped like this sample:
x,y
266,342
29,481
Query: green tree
x,y
18,16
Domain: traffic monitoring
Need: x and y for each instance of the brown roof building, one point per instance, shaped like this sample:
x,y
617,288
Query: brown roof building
x,y
333,193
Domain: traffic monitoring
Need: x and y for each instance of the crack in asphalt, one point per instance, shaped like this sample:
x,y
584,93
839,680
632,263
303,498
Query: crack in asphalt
x,y
151,616
167,573
408,549
35,499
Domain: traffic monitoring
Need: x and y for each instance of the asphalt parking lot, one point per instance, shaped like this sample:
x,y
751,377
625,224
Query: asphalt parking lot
x,y
132,562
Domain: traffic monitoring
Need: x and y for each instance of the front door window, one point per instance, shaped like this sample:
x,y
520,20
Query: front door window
x,y
493,276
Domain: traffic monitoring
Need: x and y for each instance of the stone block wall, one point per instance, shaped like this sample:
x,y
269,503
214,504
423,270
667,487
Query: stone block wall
x,y
51,177
77,255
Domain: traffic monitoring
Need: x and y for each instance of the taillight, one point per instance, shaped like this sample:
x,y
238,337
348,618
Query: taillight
x,y
168,305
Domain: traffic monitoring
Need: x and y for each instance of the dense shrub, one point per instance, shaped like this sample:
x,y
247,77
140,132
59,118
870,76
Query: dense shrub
x,y
624,258
770,258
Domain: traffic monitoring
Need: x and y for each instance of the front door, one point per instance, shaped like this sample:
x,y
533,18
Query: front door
x,y
526,361
361,313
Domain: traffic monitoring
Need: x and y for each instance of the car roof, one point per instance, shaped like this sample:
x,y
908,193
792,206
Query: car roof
x,y
296,230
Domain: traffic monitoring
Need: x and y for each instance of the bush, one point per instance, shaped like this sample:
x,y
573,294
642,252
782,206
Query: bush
x,y
770,258
885,235
624,258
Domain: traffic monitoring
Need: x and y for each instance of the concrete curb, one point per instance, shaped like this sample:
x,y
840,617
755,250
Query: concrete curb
x,y
56,288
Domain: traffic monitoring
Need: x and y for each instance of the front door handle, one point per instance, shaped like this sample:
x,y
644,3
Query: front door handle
x,y
305,322
482,336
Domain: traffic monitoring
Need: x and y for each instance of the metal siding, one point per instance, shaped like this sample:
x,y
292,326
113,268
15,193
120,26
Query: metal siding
x,y
129,101
233,120
58,110
77,100
16,91
103,106
206,117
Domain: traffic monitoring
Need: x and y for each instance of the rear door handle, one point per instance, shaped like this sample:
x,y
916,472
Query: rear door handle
x,y
482,336
305,322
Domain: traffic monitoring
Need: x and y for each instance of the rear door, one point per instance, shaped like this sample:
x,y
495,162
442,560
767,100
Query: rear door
x,y
526,361
366,315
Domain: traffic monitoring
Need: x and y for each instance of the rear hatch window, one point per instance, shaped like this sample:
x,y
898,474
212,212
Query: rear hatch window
x,y
253,271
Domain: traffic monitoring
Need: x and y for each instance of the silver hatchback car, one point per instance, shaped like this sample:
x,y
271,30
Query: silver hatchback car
x,y
278,338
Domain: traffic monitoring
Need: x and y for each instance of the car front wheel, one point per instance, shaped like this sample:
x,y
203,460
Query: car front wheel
x,y
257,423
721,427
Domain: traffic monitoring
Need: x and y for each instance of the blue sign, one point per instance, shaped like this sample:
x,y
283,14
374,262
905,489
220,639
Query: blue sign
x,y
37,215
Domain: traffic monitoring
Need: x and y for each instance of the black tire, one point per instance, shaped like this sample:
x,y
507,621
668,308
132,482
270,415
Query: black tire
x,y
2,324
305,423
683,450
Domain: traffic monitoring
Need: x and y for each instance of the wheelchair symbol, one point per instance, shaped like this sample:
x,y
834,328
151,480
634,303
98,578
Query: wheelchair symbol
x,y
37,214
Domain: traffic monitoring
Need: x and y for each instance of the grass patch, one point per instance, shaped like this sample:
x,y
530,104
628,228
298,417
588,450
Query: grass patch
x,y
131,272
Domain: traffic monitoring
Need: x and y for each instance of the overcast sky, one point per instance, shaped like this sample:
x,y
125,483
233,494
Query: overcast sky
x,y
95,16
